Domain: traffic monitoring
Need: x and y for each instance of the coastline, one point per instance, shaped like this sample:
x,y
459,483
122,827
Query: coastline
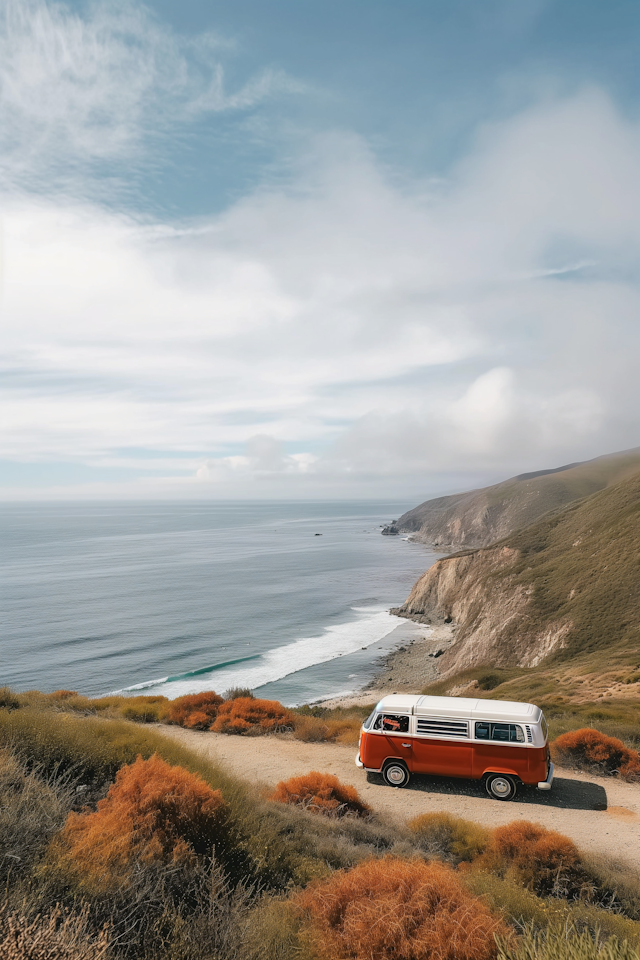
x,y
407,669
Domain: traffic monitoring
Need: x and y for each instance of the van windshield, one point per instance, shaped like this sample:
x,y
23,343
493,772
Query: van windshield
x,y
369,720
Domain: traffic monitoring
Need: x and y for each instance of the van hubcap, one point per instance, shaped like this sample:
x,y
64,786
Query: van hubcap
x,y
501,787
396,774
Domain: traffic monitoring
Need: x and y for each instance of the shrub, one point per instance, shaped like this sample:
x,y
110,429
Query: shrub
x,y
273,932
235,692
56,936
249,715
564,943
181,711
451,837
521,907
543,860
8,699
144,709
32,809
153,812
321,793
320,724
594,752
405,909
310,729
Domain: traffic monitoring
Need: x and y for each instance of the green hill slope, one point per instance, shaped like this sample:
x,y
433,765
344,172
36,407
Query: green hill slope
x,y
480,517
562,593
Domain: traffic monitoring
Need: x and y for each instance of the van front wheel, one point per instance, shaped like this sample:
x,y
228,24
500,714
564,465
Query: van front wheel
x,y
395,774
500,786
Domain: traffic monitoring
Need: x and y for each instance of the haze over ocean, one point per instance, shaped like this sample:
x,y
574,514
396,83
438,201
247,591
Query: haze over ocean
x,y
180,597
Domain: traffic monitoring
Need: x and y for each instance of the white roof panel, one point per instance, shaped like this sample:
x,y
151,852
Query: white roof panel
x,y
506,710
401,703
445,706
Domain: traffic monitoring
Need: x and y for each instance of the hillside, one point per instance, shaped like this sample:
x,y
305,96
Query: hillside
x,y
564,592
480,517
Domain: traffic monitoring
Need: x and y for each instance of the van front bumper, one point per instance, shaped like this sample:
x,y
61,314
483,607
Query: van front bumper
x,y
360,764
546,784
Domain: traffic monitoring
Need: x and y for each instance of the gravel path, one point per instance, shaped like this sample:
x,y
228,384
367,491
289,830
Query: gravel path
x,y
601,816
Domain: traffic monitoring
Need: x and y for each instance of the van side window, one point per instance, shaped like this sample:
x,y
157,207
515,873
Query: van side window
x,y
499,732
392,723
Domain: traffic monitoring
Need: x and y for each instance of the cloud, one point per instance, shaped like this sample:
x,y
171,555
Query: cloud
x,y
78,93
264,459
343,331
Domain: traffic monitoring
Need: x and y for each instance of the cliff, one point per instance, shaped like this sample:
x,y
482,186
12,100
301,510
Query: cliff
x,y
565,586
481,517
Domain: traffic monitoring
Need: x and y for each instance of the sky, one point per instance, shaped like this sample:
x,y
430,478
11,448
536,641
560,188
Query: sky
x,y
293,249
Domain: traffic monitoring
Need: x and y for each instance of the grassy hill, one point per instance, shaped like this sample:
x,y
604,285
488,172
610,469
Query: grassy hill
x,y
480,517
560,598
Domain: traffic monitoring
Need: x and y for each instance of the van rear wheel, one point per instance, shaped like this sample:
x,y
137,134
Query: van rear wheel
x,y
395,774
500,786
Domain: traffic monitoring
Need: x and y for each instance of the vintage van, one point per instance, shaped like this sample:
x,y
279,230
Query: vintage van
x,y
501,742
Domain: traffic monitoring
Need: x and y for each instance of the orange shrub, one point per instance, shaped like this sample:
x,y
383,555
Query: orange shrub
x,y
595,752
545,861
152,813
197,711
249,715
321,793
405,909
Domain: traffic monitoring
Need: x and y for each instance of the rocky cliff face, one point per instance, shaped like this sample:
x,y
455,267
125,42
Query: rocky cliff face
x,y
480,594
568,583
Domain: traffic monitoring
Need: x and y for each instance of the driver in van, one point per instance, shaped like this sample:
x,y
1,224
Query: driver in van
x,y
390,723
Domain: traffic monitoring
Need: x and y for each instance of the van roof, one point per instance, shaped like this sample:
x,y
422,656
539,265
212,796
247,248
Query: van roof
x,y
508,710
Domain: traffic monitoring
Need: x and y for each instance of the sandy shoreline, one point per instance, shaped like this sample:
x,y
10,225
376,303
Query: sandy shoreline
x,y
406,669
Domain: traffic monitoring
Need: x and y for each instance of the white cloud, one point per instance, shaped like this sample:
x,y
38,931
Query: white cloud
x,y
342,329
77,91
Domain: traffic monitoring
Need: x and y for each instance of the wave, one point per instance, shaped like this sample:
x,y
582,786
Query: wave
x,y
189,673
370,626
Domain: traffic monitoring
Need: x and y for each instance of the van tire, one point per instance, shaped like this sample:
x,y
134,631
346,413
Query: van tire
x,y
500,786
395,773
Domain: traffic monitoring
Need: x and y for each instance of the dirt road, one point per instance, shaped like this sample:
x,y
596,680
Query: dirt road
x,y
601,816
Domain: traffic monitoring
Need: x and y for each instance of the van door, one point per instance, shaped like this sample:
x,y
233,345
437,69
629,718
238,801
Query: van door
x,y
445,757
502,747
391,733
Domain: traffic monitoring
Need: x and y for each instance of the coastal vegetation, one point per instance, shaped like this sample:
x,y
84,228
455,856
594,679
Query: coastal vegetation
x,y
594,752
321,793
116,842
401,908
238,712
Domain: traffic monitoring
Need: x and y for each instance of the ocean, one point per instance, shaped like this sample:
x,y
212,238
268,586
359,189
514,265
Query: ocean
x,y
289,599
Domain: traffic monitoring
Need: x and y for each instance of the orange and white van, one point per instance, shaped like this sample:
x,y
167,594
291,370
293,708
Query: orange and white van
x,y
501,742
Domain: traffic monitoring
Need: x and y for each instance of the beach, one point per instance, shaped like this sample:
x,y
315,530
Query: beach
x,y
408,668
